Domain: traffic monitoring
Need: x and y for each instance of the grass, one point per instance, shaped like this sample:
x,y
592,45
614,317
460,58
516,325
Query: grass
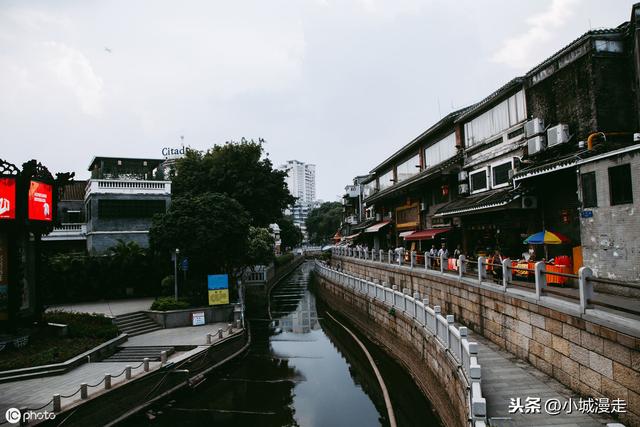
x,y
86,331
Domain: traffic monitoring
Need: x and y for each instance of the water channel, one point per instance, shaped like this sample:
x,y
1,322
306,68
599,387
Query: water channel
x,y
302,369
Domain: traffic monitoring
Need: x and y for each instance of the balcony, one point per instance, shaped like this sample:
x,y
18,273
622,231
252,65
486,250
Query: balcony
x,y
68,231
120,186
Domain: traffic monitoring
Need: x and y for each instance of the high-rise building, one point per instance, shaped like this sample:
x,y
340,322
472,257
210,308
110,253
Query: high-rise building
x,y
302,185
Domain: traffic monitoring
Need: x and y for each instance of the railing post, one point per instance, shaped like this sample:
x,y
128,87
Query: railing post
x,y
425,301
450,321
390,256
427,261
506,273
481,268
413,258
107,381
57,405
464,333
145,364
442,262
83,391
541,278
585,286
163,357
400,256
127,372
461,266
436,312
381,255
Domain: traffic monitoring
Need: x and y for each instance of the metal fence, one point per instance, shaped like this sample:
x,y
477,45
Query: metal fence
x,y
529,279
432,324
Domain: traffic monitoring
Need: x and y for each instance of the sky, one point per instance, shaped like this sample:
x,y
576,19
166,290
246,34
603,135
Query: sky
x,y
341,84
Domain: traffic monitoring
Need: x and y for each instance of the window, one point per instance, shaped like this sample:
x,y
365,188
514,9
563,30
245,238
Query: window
x,y
508,113
589,195
478,180
620,184
500,174
385,180
609,46
408,168
440,151
130,208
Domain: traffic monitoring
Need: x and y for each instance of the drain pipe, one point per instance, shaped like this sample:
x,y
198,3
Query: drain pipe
x,y
604,135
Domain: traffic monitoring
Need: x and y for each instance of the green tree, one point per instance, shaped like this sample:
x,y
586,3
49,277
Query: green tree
x,y
290,234
260,246
210,229
240,171
323,222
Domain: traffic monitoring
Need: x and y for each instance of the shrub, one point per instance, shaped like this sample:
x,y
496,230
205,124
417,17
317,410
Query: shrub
x,y
281,260
167,286
169,303
84,325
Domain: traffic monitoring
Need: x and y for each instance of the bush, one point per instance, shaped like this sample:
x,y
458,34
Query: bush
x,y
282,260
169,303
167,286
84,325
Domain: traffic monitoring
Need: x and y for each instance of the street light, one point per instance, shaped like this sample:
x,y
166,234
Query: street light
x,y
175,273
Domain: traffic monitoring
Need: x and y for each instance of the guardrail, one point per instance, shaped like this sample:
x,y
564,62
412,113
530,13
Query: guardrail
x,y
532,282
433,323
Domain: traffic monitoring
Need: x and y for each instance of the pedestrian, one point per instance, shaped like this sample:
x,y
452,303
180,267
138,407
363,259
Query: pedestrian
x,y
457,252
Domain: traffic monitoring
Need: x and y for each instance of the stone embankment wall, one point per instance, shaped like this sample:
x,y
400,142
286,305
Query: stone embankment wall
x,y
433,369
594,355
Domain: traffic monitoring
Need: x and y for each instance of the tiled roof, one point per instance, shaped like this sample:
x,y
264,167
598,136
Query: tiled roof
x,y
482,201
515,82
74,190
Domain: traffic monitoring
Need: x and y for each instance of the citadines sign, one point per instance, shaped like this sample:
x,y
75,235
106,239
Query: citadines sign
x,y
218,287
40,201
7,198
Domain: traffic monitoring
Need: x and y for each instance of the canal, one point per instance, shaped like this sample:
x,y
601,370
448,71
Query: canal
x,y
302,369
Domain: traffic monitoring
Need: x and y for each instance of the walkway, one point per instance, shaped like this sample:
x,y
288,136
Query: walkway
x,y
36,392
108,308
505,377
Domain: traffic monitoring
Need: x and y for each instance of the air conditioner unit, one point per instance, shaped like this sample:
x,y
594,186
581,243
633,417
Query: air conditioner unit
x,y
378,217
423,207
463,189
558,134
535,144
533,127
529,202
462,176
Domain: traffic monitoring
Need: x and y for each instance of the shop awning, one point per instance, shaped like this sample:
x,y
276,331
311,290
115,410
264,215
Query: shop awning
x,y
353,236
427,234
404,234
377,227
480,202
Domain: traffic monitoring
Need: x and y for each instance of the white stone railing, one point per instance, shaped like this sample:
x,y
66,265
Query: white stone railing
x,y
121,186
433,324
68,231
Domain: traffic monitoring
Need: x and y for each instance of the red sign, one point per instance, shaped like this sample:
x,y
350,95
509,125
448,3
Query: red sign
x,y
40,201
7,198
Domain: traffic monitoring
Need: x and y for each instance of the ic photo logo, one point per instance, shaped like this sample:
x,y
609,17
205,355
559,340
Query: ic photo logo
x,y
15,416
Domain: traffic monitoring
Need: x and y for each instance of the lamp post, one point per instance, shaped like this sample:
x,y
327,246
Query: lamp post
x,y
175,273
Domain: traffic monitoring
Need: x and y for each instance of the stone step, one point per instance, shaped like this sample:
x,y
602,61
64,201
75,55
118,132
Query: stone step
x,y
134,323
138,354
142,330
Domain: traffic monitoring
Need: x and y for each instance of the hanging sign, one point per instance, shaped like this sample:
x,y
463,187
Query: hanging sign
x,y
218,287
40,201
7,198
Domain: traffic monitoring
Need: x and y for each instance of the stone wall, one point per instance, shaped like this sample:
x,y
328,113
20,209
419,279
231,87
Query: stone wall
x,y
432,368
593,355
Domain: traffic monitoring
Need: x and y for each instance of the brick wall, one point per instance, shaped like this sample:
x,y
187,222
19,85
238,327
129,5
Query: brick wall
x,y
433,370
593,357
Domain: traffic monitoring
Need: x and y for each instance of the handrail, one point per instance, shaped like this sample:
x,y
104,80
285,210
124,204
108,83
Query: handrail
x,y
451,338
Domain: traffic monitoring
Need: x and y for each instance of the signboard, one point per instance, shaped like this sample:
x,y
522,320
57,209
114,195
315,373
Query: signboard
x,y
40,201
184,265
586,214
218,286
7,198
197,318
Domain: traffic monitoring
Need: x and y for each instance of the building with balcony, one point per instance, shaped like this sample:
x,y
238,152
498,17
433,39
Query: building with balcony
x,y
71,234
120,200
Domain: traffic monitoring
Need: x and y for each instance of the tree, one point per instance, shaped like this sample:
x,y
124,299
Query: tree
x,y
323,222
260,246
210,229
237,170
290,234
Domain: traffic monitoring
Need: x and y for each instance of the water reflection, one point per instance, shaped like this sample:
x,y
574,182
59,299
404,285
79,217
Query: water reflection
x,y
300,370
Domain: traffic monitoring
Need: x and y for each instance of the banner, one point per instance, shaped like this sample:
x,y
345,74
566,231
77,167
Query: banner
x,y
4,276
218,286
40,201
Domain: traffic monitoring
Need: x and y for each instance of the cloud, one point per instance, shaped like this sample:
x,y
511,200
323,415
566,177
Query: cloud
x,y
74,71
520,51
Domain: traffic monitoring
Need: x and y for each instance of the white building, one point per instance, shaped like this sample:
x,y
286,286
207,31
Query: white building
x,y
302,185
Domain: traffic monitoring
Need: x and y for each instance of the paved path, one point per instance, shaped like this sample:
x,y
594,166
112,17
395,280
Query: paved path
x,y
505,377
108,308
36,392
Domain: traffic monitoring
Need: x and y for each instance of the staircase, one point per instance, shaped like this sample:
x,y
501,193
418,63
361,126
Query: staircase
x,y
136,323
137,354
